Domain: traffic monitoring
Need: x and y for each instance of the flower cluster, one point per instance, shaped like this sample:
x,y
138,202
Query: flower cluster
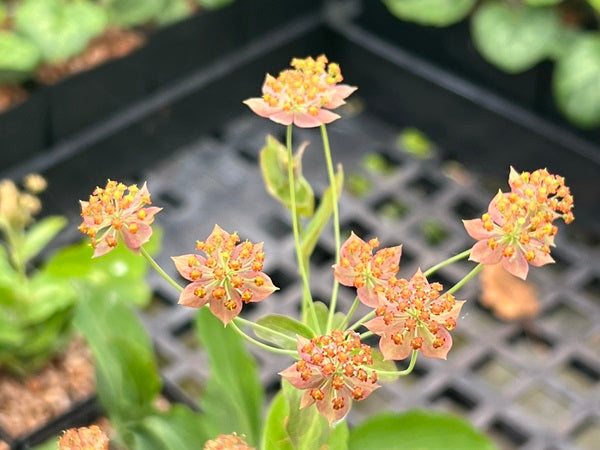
x,y
17,207
303,95
84,438
518,229
368,273
117,211
334,370
414,316
227,277
227,442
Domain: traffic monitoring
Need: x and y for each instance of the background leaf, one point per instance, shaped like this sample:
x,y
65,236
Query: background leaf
x,y
134,12
417,430
233,395
577,82
18,57
438,13
274,435
126,371
40,234
60,29
542,2
282,324
514,37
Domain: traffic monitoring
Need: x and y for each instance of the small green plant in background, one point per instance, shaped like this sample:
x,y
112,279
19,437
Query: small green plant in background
x,y
38,302
517,35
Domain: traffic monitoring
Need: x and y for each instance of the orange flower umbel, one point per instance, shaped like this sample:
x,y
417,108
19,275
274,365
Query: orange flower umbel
x,y
84,438
117,211
415,317
518,229
333,371
368,273
227,442
303,95
229,276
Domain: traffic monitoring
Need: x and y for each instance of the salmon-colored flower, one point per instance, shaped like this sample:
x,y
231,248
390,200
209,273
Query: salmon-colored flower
x,y
368,273
227,442
517,229
304,94
229,276
415,317
84,438
117,211
334,370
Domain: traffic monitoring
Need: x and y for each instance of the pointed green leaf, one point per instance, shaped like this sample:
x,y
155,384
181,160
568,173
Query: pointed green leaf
x,y
274,168
339,437
306,428
126,371
514,37
319,221
417,429
40,234
282,325
577,82
233,396
439,13
322,313
178,429
274,435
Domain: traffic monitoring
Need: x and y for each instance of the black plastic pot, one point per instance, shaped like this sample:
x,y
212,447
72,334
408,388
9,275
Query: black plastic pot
x,y
452,49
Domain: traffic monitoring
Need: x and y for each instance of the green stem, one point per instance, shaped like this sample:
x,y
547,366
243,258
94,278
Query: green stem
x,y
257,326
351,311
159,269
402,373
296,229
336,222
259,344
466,279
360,321
447,262
366,334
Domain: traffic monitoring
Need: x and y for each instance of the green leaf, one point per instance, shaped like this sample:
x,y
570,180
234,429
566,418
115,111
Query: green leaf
x,y
233,395
285,325
306,428
214,4
134,12
377,164
274,435
322,313
40,234
174,11
126,372
415,143
274,167
120,271
19,57
319,221
595,4
177,429
60,29
577,82
514,37
438,13
338,437
8,275
417,430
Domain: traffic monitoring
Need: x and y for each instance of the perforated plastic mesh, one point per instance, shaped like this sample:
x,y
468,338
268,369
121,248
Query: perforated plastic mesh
x,y
530,384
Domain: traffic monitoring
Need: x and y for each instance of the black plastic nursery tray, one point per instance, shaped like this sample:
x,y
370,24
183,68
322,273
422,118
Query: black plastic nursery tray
x,y
531,385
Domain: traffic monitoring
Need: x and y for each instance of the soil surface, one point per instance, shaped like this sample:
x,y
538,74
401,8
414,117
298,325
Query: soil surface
x,y
29,403
11,95
111,44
